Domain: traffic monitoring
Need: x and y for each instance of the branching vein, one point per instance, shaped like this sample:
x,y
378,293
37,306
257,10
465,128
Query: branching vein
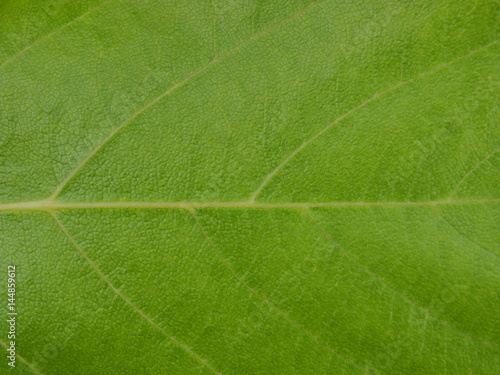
x,y
383,281
474,168
50,35
33,369
357,108
462,234
268,302
179,84
117,291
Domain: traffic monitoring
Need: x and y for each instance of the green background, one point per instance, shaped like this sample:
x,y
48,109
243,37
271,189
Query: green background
x,y
251,187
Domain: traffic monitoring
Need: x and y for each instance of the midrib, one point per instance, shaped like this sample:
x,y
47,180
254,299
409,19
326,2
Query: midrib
x,y
50,205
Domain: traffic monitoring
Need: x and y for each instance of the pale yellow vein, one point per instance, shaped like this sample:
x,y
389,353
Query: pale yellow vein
x,y
474,168
51,205
459,232
117,291
269,303
27,48
350,256
149,105
23,360
268,177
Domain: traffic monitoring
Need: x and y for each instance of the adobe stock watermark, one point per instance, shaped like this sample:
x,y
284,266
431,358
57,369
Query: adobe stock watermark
x,y
11,315
397,345
394,350
301,271
48,352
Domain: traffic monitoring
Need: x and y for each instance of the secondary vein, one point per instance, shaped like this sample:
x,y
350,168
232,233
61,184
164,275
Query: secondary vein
x,y
179,84
117,291
376,96
51,34
23,360
361,265
269,303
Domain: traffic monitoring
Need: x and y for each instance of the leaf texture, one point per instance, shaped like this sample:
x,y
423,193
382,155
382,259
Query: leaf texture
x,y
249,187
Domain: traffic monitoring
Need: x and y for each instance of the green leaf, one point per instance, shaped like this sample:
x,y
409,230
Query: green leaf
x,y
250,187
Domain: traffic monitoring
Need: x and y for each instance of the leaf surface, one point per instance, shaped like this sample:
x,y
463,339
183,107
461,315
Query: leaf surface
x,y
246,187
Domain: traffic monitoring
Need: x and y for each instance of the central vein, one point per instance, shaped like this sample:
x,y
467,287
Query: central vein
x,y
51,205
